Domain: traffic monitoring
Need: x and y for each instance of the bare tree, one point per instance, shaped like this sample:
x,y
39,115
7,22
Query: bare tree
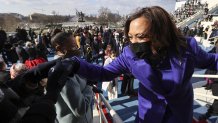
x,y
103,15
106,16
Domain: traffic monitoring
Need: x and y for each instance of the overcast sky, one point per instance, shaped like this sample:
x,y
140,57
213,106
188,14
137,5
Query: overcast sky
x,y
66,7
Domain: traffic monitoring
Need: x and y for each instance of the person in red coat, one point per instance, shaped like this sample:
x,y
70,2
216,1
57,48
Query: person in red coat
x,y
34,59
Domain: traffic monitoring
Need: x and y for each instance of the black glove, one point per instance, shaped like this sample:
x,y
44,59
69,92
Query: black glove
x,y
39,72
57,78
71,65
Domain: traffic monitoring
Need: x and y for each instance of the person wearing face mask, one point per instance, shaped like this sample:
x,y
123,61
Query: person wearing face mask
x,y
75,99
65,46
162,59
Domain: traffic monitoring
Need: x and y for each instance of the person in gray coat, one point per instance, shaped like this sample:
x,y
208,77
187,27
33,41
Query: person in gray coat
x,y
75,99
74,103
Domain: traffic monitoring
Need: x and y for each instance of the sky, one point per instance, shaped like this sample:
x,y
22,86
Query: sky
x,y
68,7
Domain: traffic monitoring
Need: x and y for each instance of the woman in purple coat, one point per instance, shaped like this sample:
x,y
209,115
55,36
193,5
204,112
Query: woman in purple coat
x,y
162,59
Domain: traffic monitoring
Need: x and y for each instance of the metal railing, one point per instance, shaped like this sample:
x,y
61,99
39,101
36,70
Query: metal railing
x,y
100,100
115,117
204,76
206,95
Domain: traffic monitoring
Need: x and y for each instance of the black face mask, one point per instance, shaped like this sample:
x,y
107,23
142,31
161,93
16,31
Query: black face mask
x,y
142,50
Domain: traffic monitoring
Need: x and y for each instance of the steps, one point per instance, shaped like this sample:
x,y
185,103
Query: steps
x,y
196,16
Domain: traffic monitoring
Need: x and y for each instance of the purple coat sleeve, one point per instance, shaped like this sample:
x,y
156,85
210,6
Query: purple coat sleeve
x,y
202,58
106,73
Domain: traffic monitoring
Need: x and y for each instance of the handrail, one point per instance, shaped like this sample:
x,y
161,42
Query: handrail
x,y
116,118
205,76
102,116
114,115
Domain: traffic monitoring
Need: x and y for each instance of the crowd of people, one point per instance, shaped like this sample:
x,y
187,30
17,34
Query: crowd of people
x,y
36,89
190,8
200,30
26,51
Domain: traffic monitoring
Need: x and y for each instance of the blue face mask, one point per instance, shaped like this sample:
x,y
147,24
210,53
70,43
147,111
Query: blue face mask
x,y
141,50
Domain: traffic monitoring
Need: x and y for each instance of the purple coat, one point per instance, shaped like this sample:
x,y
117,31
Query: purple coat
x,y
164,95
